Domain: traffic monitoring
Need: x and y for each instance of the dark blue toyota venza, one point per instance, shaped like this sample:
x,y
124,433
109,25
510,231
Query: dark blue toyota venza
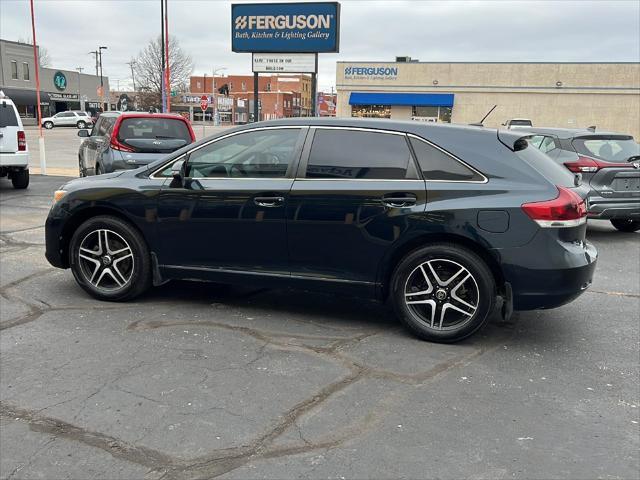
x,y
447,222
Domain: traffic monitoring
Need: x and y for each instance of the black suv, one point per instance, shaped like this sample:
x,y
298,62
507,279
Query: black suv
x,y
448,222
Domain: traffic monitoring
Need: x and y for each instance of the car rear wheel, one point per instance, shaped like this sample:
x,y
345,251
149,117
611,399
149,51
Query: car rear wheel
x,y
626,224
20,178
110,259
99,170
81,124
48,125
443,292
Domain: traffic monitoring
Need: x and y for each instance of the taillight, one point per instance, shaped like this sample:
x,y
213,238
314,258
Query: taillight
x,y
590,165
22,141
568,209
116,145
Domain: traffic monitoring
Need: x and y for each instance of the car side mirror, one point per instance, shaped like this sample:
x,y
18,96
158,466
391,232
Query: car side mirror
x,y
178,174
84,133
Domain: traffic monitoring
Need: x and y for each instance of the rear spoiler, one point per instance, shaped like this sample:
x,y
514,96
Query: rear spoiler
x,y
513,140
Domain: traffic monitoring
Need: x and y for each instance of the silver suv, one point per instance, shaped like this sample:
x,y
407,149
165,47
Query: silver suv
x,y
609,164
72,118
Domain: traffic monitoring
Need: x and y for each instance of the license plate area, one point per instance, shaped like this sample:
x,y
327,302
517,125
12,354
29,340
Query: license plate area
x,y
626,184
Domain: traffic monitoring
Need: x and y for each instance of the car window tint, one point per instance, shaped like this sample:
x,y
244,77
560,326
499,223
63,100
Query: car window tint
x,y
438,165
608,148
547,145
554,172
257,154
7,115
153,128
353,154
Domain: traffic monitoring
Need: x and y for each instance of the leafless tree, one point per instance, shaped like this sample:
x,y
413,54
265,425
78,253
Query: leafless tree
x,y
43,53
148,66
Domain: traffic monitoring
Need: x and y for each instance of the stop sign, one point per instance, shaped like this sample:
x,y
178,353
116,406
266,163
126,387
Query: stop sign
x,y
204,102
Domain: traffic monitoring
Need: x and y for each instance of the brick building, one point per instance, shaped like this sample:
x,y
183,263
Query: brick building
x,y
280,95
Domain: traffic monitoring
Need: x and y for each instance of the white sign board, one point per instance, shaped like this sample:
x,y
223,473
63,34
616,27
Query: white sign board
x,y
284,62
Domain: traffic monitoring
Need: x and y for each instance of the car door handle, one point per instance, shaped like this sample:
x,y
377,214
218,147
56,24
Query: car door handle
x,y
399,201
269,201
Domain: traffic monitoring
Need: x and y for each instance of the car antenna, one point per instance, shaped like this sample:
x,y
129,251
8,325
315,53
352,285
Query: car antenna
x,y
480,123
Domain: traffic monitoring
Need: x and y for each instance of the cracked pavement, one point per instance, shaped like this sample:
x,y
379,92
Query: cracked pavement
x,y
198,381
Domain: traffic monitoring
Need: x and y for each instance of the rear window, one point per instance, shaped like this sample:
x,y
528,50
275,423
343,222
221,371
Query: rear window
x,y
153,128
523,123
7,116
552,171
611,148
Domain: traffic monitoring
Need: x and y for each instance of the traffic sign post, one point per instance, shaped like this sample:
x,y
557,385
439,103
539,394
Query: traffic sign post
x,y
204,104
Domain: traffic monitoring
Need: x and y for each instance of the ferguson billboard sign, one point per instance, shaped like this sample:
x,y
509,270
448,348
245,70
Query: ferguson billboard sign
x,y
285,27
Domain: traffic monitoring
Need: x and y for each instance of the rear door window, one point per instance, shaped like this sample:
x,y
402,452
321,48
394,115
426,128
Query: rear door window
x,y
357,154
441,166
8,116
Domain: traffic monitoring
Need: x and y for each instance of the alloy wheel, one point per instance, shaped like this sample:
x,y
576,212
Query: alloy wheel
x,y
106,260
442,294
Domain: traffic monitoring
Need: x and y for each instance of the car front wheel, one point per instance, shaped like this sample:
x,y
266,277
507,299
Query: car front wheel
x,y
110,259
443,292
626,224
48,125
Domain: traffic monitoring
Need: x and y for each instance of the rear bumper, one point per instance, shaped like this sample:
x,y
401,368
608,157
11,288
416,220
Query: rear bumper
x,y
608,208
18,159
558,274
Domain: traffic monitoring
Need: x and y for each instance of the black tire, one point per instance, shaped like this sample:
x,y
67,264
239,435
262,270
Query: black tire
x,y
81,124
110,288
20,178
81,170
99,170
48,125
439,324
626,224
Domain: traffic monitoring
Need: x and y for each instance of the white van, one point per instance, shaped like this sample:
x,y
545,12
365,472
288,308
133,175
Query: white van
x,y
14,155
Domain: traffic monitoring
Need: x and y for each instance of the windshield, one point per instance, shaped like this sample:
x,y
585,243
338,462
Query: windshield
x,y
608,148
153,129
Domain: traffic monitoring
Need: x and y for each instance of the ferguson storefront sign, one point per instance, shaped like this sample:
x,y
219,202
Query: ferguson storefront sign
x,y
370,73
285,27
284,62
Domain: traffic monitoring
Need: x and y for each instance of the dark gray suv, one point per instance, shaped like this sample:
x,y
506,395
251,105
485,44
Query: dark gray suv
x,y
608,163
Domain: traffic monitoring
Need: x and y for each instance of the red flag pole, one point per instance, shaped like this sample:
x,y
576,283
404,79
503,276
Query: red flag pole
x,y
43,166
167,72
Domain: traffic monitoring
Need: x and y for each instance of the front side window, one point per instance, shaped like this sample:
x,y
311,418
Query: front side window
x,y
255,154
25,71
355,154
14,70
438,165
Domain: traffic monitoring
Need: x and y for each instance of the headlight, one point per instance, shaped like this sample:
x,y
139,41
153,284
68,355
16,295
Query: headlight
x,y
58,195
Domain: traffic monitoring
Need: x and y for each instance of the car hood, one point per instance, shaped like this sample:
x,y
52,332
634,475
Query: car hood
x,y
88,182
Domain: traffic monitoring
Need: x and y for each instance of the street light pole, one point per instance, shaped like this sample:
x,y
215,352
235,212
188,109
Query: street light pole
x,y
215,96
43,161
101,79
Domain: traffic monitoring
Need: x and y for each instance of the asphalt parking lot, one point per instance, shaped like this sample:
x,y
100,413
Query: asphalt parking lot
x,y
196,381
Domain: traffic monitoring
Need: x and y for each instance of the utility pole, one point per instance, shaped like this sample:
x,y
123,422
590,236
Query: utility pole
x,y
95,54
101,80
162,77
79,69
133,78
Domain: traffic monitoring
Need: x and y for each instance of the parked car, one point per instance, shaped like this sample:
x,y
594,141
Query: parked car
x,y
518,123
609,165
71,118
14,154
121,141
445,221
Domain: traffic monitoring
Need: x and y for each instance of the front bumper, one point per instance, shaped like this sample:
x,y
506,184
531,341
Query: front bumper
x,y
53,229
548,273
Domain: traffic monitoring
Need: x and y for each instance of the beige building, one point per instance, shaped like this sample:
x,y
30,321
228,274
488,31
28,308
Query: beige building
x,y
569,95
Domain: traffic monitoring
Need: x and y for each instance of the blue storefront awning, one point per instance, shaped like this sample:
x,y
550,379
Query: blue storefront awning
x,y
409,99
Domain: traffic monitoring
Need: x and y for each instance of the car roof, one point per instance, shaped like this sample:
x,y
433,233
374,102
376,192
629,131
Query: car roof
x,y
570,132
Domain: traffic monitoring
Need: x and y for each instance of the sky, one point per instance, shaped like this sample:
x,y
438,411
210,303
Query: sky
x,y
559,31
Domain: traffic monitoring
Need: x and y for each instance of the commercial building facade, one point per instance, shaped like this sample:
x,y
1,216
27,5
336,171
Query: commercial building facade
x,y
60,89
569,95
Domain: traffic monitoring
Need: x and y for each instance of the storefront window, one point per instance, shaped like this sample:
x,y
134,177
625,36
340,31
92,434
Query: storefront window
x,y
371,111
25,71
431,114
14,70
